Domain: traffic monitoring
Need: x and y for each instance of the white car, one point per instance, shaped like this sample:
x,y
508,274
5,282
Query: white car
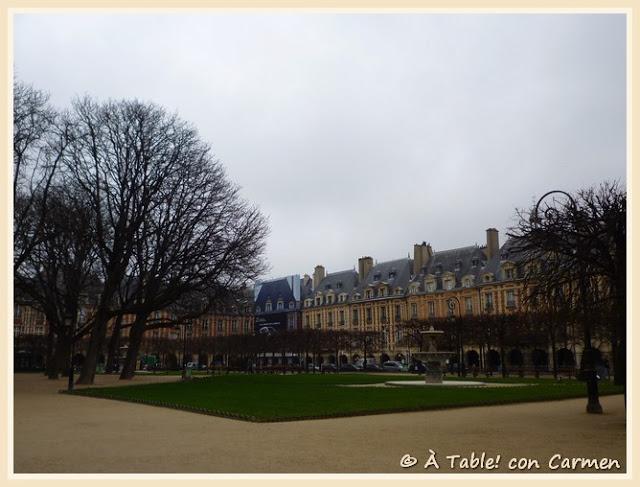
x,y
392,366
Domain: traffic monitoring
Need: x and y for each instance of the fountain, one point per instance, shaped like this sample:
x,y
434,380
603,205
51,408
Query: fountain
x,y
434,361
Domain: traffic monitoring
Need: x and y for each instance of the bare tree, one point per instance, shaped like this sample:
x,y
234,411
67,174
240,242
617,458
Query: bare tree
x,y
40,137
57,275
578,247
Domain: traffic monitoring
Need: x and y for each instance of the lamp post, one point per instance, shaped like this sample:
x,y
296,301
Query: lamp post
x,y
451,303
71,353
588,370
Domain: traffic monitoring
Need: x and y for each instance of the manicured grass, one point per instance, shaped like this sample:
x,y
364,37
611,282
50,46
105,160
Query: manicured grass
x,y
306,396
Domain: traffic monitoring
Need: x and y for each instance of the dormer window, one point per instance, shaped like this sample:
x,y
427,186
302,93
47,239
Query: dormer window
x,y
488,278
475,262
376,276
339,285
327,286
439,269
368,293
458,265
267,306
330,299
449,284
318,300
382,292
430,286
509,273
292,304
356,296
392,274
399,290
280,305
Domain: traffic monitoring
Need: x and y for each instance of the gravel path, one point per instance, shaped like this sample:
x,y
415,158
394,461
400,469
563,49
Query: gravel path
x,y
68,434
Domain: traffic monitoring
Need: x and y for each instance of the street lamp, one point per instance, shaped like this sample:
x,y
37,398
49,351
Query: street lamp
x,y
71,353
451,303
588,370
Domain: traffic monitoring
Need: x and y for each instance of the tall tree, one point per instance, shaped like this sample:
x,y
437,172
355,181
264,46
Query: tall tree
x,y
577,245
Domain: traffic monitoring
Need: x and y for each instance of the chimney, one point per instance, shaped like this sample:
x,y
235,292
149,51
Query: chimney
x,y
305,279
364,266
493,244
318,275
421,255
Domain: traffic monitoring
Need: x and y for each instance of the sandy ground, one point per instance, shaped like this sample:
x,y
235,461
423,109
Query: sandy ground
x,y
70,434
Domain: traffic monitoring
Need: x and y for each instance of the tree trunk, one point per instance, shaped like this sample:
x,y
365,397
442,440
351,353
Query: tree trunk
x,y
136,332
51,370
96,342
62,360
114,343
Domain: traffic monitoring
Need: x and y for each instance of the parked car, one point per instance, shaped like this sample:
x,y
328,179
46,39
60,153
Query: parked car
x,y
328,368
392,366
417,368
373,368
350,368
192,365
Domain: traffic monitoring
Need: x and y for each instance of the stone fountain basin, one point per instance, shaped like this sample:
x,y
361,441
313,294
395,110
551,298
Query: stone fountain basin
x,y
447,383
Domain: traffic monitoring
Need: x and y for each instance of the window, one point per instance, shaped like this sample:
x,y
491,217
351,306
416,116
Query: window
x,y
376,276
511,298
16,312
318,300
508,273
398,313
156,333
369,316
448,284
257,309
383,314
318,320
307,321
458,265
267,307
392,275
339,285
398,290
467,282
330,318
488,301
413,289
431,286
432,309
468,305
355,316
475,262
382,292
219,326
205,326
341,315
414,310
247,326
234,326
368,293
330,299
292,304
280,305
488,278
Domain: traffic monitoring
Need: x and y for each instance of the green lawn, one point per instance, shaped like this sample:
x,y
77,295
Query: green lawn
x,y
294,397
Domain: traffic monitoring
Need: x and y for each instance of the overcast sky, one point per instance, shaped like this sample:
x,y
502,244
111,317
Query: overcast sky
x,y
363,134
